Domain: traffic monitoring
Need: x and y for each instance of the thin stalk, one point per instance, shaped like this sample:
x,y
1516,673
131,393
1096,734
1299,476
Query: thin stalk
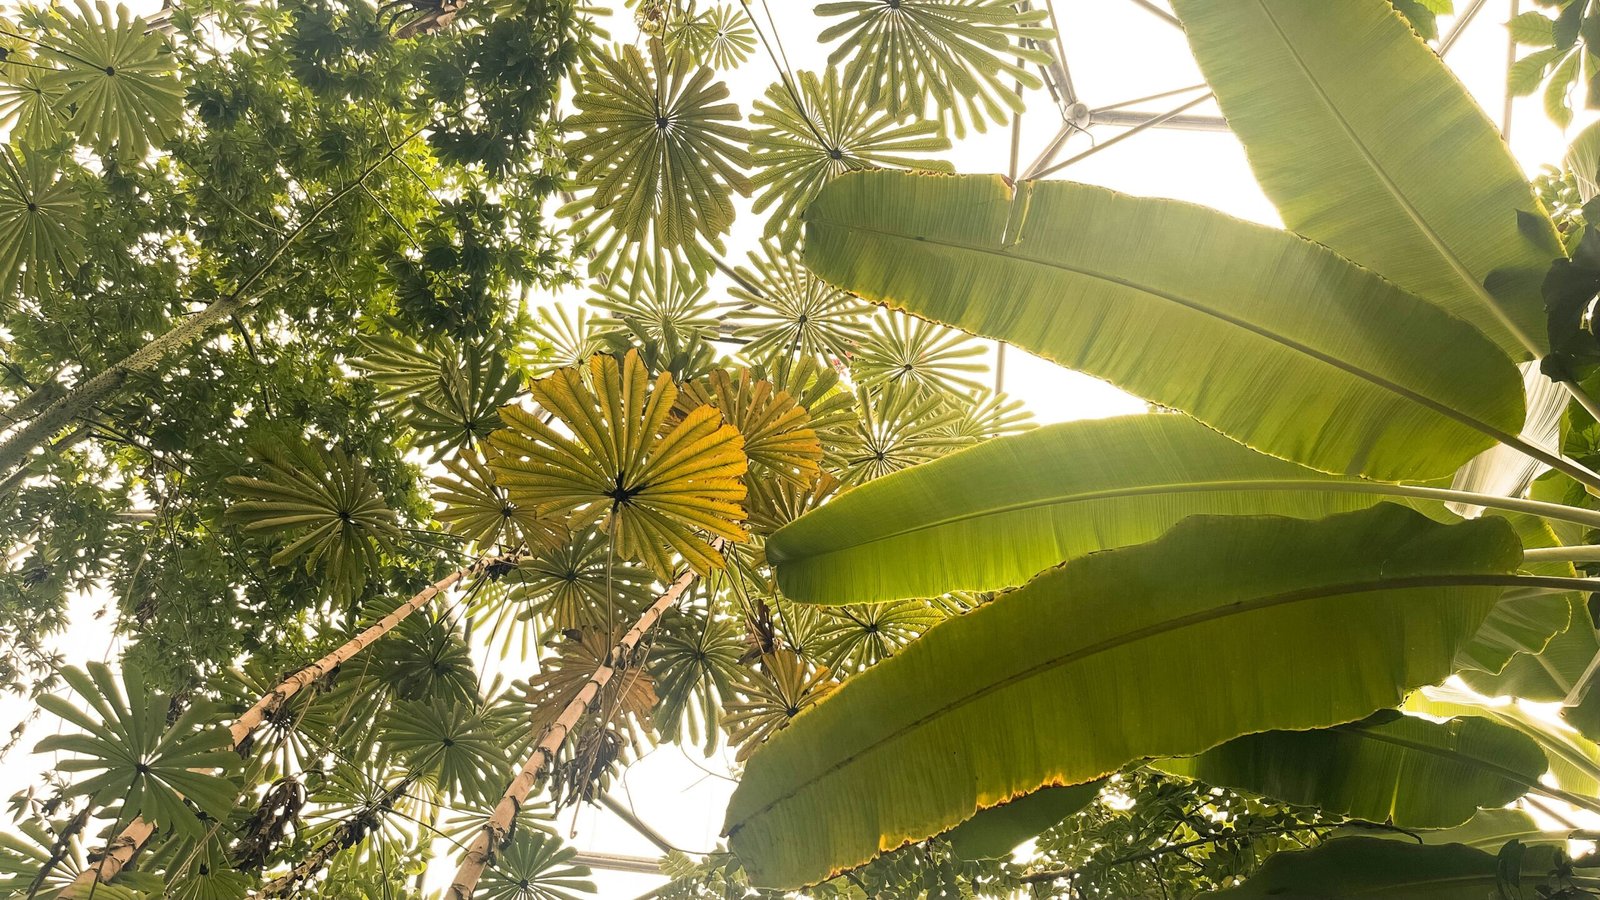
x,y
1586,553
131,839
1583,398
633,821
77,401
492,836
1147,124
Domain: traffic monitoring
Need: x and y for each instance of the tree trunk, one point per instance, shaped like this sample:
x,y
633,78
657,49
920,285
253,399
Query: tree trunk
x,y
346,834
495,832
121,850
63,407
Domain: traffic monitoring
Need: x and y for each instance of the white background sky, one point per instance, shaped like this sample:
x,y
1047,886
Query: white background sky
x,y
1116,51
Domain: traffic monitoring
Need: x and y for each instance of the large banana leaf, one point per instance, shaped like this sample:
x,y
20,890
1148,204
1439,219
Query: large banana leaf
x,y
1273,340
1226,625
1488,830
996,831
997,514
1368,144
1388,767
1372,868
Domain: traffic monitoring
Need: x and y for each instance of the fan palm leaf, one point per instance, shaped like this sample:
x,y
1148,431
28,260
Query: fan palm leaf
x,y
652,485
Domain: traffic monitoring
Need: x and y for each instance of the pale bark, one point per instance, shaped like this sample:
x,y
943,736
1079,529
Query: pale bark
x,y
495,832
121,850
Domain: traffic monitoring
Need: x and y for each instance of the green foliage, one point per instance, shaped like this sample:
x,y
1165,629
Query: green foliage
x,y
1561,56
955,59
536,867
148,752
815,129
116,75
650,485
329,508
660,149
295,250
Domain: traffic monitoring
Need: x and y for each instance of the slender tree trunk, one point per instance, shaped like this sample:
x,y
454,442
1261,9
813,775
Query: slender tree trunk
x,y
65,406
121,850
347,834
495,832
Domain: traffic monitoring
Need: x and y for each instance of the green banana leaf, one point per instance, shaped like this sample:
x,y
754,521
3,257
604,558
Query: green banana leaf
x,y
1375,868
1523,622
1226,625
1573,759
997,514
1368,144
994,832
1389,767
1273,340
1488,830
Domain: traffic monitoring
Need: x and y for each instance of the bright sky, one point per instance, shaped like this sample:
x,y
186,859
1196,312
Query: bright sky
x,y
1116,51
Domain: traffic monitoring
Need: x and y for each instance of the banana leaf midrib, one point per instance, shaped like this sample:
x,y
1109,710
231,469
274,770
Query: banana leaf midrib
x,y
1241,485
1443,409
1437,243
1215,613
1510,775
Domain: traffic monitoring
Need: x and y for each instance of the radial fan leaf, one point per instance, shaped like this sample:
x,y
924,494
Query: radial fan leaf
x,y
1033,688
721,35
806,138
559,337
786,312
695,661
851,638
424,659
129,753
117,77
916,355
774,504
329,507
778,439
627,698
473,384
40,222
401,369
955,59
477,509
992,415
897,428
455,745
30,100
579,583
536,866
783,687
653,486
660,300
46,857
661,148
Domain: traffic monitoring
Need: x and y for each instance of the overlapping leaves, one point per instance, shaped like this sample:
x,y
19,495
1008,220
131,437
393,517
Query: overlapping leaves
x,y
329,507
134,755
959,59
116,76
815,128
661,148
654,487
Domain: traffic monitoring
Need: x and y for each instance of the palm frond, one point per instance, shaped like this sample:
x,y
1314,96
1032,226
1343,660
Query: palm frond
x,y
651,484
809,136
956,59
